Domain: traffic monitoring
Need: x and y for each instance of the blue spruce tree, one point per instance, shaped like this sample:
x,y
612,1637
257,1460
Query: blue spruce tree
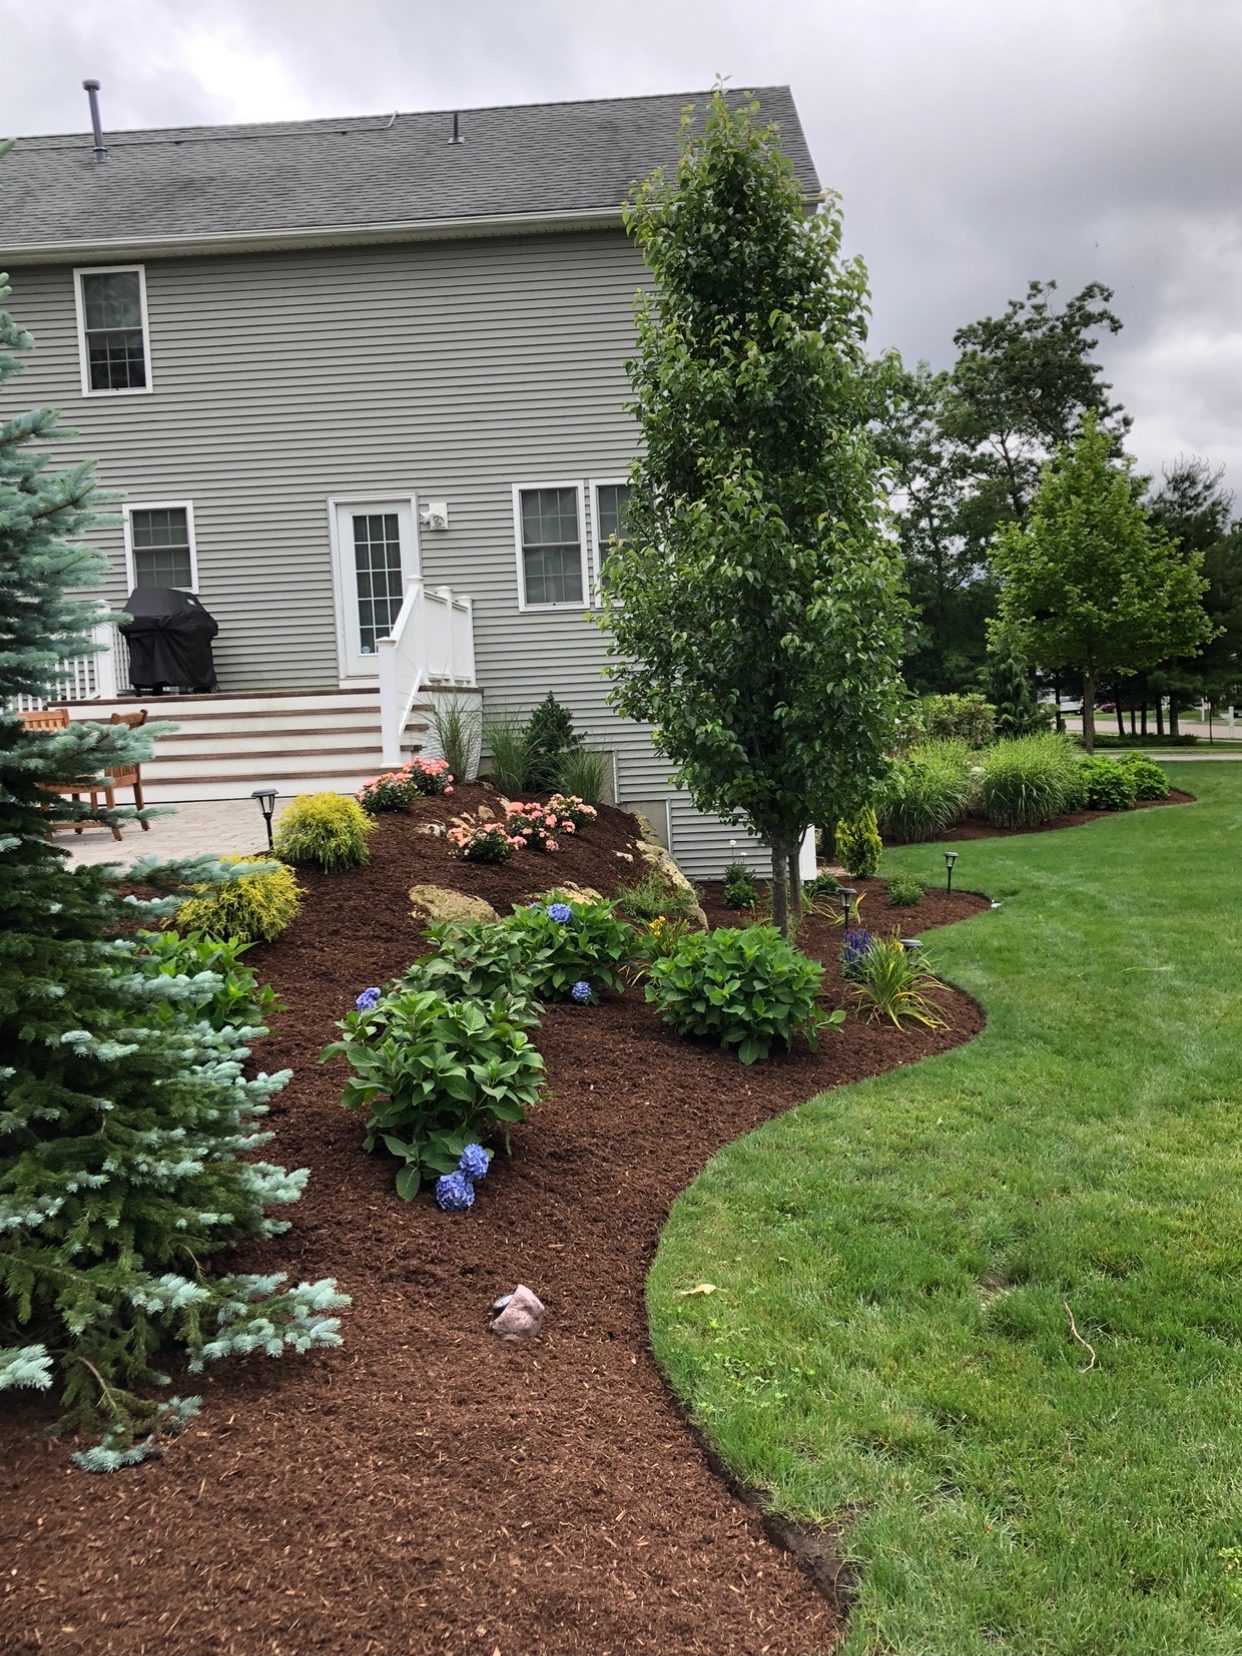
x,y
126,1120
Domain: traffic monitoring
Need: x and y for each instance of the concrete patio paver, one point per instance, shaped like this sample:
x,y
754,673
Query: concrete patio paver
x,y
219,827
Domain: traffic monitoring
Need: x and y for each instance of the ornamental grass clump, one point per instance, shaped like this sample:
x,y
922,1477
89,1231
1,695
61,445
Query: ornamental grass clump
x,y
1030,780
435,1076
927,791
1108,784
254,909
324,830
894,982
748,989
584,771
653,897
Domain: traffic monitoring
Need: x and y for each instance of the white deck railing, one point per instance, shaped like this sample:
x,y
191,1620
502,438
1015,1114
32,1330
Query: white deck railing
x,y
100,676
432,643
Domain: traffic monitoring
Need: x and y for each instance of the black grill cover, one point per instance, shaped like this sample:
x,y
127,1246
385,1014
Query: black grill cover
x,y
169,640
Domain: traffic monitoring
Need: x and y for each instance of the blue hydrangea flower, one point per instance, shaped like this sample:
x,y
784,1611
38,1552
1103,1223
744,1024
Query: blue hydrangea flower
x,y
581,992
454,1193
367,999
473,1163
560,911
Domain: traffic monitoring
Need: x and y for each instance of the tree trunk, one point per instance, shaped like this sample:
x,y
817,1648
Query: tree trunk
x,y
1159,714
1088,712
795,891
1121,719
1174,731
1143,720
780,890
1133,719
1056,692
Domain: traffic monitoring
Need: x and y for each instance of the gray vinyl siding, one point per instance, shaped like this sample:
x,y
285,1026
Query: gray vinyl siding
x,y
449,370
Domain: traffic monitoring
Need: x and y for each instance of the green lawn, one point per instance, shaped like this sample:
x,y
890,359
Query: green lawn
x,y
893,1259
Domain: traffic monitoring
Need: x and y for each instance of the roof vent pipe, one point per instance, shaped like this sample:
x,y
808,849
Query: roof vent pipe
x,y
91,88
456,138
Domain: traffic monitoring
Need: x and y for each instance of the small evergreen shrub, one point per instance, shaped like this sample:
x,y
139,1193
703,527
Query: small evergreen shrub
x,y
748,990
1108,784
255,908
654,897
324,830
968,719
584,771
436,1075
739,886
895,983
859,846
904,891
1150,781
568,941
1030,780
550,739
926,791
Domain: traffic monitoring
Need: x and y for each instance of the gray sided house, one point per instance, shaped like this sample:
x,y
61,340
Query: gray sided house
x,y
335,368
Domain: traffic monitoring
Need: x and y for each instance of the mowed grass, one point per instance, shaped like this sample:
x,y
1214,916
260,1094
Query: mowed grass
x,y
889,1341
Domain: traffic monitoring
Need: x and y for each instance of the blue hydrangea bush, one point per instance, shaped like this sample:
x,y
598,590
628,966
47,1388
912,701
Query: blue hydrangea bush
x,y
747,989
566,941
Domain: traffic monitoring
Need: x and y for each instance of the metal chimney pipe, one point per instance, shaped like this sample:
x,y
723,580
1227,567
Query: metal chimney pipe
x,y
456,138
91,88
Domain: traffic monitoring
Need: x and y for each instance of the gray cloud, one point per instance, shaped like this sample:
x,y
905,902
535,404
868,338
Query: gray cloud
x,y
976,144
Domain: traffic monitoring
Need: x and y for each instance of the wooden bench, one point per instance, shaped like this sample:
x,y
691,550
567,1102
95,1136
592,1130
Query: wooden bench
x,y
52,719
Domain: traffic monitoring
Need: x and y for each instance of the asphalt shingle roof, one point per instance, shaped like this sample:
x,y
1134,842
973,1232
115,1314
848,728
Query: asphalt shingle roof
x,y
543,160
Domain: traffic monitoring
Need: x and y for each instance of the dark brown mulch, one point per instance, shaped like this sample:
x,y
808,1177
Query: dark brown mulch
x,y
427,1489
976,828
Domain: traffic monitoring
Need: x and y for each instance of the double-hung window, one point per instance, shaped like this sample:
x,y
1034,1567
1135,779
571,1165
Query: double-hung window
x,y
159,546
112,329
610,500
551,546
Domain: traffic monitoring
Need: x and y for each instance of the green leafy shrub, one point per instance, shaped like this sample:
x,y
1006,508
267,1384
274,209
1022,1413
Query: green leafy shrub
x,y
859,846
893,982
566,941
506,740
653,897
482,960
748,990
739,886
1108,784
254,908
324,830
1030,780
551,739
584,771
904,890
927,791
436,1075
1150,781
968,719
823,885
235,999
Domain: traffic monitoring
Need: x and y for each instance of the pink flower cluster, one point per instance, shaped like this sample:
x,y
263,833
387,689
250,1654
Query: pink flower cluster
x,y
485,842
397,790
574,812
537,825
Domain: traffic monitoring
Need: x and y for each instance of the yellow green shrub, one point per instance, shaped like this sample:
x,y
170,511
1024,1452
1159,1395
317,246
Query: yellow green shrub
x,y
253,908
324,830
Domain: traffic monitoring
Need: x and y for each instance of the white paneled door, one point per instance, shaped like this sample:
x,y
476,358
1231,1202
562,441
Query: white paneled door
x,y
376,551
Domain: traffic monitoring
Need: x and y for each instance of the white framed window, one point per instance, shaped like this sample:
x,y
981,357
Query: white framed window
x,y
609,498
551,545
159,545
114,346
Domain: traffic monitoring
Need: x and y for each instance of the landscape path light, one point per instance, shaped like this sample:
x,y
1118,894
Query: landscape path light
x,y
950,857
267,804
849,905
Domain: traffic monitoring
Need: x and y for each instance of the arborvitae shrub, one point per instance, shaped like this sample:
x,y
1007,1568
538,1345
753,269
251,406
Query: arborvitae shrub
x,y
550,737
859,846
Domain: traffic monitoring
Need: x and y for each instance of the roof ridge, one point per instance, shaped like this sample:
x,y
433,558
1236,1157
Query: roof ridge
x,y
132,137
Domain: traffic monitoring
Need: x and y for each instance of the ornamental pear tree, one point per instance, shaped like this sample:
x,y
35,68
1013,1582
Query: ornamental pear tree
x,y
1089,581
754,603
125,1113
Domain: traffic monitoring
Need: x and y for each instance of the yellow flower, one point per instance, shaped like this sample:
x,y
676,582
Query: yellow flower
x,y
657,925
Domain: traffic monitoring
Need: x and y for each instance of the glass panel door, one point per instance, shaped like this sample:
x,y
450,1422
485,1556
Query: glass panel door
x,y
375,555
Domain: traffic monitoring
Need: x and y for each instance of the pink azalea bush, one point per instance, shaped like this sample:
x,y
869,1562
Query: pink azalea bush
x,y
397,790
537,825
574,813
483,840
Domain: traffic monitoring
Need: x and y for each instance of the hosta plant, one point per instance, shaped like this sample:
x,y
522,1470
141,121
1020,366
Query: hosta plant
x,y
435,1075
747,989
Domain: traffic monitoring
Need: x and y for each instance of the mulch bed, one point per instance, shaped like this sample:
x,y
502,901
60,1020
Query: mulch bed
x,y
426,1488
976,828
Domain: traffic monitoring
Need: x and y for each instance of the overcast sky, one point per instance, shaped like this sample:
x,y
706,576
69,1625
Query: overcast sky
x,y
977,143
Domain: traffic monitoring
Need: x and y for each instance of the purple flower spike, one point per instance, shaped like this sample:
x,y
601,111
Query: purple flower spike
x,y
474,1162
454,1193
581,992
367,999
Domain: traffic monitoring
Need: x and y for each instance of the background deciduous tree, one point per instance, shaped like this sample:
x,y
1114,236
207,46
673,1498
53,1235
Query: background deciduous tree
x,y
754,608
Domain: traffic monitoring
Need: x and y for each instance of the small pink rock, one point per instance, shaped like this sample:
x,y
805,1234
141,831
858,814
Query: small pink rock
x,y
520,1316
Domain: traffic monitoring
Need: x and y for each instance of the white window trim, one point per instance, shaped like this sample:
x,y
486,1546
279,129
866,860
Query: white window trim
x,y
361,497
83,360
569,604
186,506
595,484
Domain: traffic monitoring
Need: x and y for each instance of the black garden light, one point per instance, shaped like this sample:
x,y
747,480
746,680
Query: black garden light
x,y
267,804
912,945
950,857
849,904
